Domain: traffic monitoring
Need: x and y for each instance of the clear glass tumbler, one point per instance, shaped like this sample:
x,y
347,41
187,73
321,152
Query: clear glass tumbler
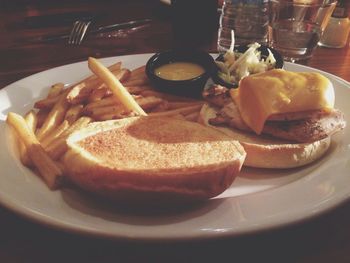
x,y
296,26
248,18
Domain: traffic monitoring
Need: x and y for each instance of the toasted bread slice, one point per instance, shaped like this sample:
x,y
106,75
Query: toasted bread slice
x,y
142,158
268,152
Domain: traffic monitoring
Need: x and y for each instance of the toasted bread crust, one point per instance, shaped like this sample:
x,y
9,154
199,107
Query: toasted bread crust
x,y
198,166
266,152
118,184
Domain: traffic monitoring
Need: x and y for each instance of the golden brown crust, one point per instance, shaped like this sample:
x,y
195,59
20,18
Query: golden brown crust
x,y
116,183
286,155
204,165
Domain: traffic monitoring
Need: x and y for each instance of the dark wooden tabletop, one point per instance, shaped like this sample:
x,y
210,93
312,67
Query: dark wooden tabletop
x,y
322,239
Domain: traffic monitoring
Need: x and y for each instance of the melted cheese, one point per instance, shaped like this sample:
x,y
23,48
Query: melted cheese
x,y
279,91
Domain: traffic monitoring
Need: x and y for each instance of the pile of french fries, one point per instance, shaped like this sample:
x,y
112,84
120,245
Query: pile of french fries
x,y
110,93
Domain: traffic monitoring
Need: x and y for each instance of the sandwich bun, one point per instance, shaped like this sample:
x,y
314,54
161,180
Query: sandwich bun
x,y
267,152
152,158
263,95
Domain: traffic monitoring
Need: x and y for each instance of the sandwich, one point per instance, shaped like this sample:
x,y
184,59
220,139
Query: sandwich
x,y
282,119
152,158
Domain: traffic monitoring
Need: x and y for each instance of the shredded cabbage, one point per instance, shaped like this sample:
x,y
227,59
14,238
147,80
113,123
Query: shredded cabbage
x,y
236,65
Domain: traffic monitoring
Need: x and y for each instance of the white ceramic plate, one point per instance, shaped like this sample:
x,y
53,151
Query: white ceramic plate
x,y
258,199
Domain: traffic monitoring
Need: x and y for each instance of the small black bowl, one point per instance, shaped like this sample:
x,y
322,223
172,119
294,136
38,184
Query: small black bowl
x,y
242,49
190,87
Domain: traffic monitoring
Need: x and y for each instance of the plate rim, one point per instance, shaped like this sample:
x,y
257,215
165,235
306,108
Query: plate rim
x,y
82,230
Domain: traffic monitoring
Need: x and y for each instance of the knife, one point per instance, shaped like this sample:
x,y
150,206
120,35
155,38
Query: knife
x,y
129,24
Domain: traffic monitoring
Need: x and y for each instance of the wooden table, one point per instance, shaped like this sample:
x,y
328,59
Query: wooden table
x,y
322,239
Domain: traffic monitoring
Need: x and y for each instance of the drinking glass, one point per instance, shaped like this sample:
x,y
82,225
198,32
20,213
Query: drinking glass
x,y
296,26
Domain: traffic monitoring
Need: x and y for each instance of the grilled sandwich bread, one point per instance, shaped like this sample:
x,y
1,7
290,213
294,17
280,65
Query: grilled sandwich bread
x,y
266,151
152,158
283,119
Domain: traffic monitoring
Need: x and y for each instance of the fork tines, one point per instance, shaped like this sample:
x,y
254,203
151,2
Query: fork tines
x,y
78,32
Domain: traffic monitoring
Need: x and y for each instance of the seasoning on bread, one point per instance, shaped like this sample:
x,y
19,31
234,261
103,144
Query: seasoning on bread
x,y
141,158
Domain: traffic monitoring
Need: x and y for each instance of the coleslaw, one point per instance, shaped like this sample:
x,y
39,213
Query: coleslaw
x,y
236,65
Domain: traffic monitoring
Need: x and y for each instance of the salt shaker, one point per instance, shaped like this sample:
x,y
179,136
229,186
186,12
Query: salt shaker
x,y
337,31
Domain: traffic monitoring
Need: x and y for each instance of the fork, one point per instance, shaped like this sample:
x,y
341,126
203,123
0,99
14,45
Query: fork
x,y
78,32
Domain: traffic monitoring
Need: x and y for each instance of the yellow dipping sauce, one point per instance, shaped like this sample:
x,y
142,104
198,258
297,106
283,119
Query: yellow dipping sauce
x,y
179,71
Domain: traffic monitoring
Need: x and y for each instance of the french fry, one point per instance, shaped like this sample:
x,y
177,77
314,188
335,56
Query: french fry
x,y
98,94
163,106
52,97
55,134
122,75
112,93
78,124
113,109
54,118
62,167
84,87
78,93
138,89
148,103
178,116
119,110
140,71
192,116
102,90
55,90
114,84
109,101
184,111
89,82
47,168
93,88
31,120
110,116
181,104
59,146
166,96
93,81
142,81
73,113
41,116
46,103
115,67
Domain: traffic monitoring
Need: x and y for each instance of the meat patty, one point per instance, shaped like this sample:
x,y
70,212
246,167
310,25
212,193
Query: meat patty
x,y
312,126
310,129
